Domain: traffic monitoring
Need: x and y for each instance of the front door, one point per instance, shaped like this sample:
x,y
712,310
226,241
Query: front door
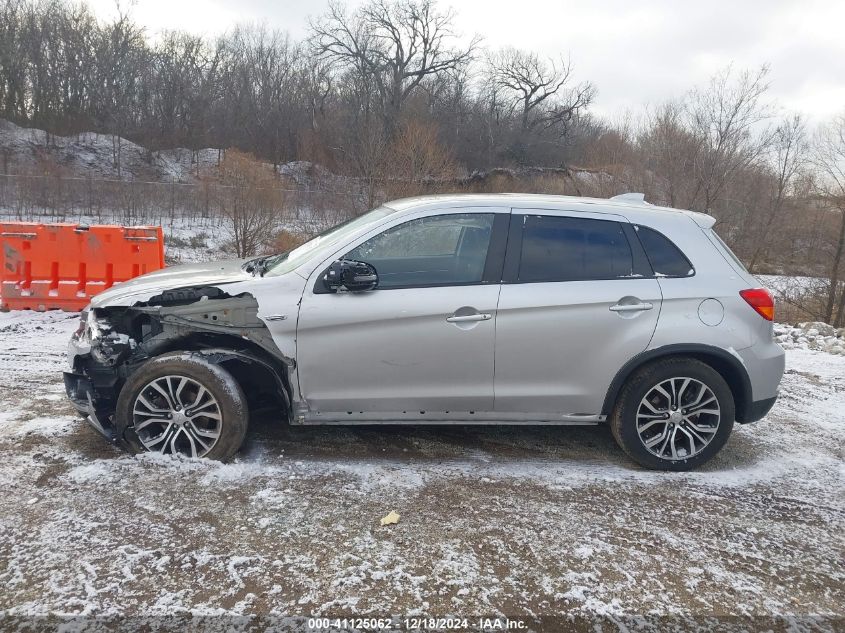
x,y
578,301
423,342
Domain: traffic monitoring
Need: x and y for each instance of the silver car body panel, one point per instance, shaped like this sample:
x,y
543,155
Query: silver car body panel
x,y
555,341
547,352
392,351
142,288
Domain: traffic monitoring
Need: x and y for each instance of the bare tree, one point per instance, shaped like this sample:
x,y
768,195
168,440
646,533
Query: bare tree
x,y
185,68
670,149
14,60
318,85
121,56
723,118
416,161
829,160
396,43
250,199
535,102
389,95
788,156
542,90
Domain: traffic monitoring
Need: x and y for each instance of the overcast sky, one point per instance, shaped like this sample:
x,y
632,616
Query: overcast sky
x,y
636,52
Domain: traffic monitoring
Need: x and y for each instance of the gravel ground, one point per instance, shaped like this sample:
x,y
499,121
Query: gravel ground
x,y
553,525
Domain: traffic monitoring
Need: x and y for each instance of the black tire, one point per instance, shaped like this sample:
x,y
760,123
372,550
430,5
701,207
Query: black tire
x,y
233,409
623,420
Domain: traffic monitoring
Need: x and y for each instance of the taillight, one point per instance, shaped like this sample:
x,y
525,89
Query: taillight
x,y
761,300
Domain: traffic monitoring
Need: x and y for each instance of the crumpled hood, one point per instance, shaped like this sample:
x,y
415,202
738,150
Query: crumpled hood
x,y
149,285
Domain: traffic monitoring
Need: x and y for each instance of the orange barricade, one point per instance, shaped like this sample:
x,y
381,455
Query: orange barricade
x,y
49,266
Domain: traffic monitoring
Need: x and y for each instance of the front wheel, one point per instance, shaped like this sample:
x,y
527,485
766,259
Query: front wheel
x,y
674,414
181,404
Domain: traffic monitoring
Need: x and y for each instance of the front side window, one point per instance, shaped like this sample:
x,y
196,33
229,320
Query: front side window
x,y
431,251
573,249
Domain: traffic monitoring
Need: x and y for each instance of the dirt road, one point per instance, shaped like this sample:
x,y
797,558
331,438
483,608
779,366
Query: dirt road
x,y
538,522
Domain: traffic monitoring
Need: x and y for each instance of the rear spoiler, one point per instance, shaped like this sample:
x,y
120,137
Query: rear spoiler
x,y
701,219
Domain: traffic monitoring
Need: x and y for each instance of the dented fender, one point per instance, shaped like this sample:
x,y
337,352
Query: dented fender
x,y
227,313
142,288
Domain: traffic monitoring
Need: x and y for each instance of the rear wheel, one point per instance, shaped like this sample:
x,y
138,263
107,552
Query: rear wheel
x,y
183,405
674,414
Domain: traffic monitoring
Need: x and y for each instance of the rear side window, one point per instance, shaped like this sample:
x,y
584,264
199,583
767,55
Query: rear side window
x,y
573,249
666,259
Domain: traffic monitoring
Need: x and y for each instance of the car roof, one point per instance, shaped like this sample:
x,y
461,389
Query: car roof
x,y
631,205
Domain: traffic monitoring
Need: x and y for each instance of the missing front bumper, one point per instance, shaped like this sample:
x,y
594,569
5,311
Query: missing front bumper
x,y
82,394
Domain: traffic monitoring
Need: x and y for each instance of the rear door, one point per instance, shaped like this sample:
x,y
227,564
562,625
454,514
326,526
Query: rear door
x,y
578,300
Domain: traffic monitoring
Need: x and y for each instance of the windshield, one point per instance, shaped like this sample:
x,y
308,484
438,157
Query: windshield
x,y
303,253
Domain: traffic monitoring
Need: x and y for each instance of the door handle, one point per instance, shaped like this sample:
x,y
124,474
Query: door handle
x,y
631,307
466,318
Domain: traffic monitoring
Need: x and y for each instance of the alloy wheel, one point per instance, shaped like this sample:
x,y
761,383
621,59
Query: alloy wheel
x,y
177,415
678,418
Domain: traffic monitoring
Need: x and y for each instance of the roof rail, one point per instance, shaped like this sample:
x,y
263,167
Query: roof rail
x,y
631,198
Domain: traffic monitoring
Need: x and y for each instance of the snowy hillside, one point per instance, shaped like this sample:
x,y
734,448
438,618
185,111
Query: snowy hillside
x,y
93,155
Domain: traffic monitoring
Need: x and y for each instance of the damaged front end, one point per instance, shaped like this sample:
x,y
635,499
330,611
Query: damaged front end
x,y
95,356
113,342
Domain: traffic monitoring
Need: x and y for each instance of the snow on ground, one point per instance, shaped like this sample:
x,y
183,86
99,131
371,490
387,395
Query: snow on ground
x,y
791,283
532,521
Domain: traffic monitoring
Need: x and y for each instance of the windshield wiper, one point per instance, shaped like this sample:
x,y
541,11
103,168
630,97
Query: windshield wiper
x,y
261,265
252,265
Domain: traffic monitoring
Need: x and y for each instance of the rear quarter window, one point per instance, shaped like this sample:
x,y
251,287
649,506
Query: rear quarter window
x,y
665,258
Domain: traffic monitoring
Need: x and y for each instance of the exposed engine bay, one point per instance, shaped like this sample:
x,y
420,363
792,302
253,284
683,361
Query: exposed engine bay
x,y
111,343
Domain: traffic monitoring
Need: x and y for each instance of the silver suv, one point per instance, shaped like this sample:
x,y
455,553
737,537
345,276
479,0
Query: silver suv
x,y
459,309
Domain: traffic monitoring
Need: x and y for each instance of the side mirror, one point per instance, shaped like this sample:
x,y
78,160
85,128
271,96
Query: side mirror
x,y
350,275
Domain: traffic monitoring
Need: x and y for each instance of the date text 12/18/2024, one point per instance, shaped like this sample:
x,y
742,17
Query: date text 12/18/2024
x,y
417,624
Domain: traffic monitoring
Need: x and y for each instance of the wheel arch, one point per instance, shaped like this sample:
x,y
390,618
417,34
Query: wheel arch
x,y
244,359
728,366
